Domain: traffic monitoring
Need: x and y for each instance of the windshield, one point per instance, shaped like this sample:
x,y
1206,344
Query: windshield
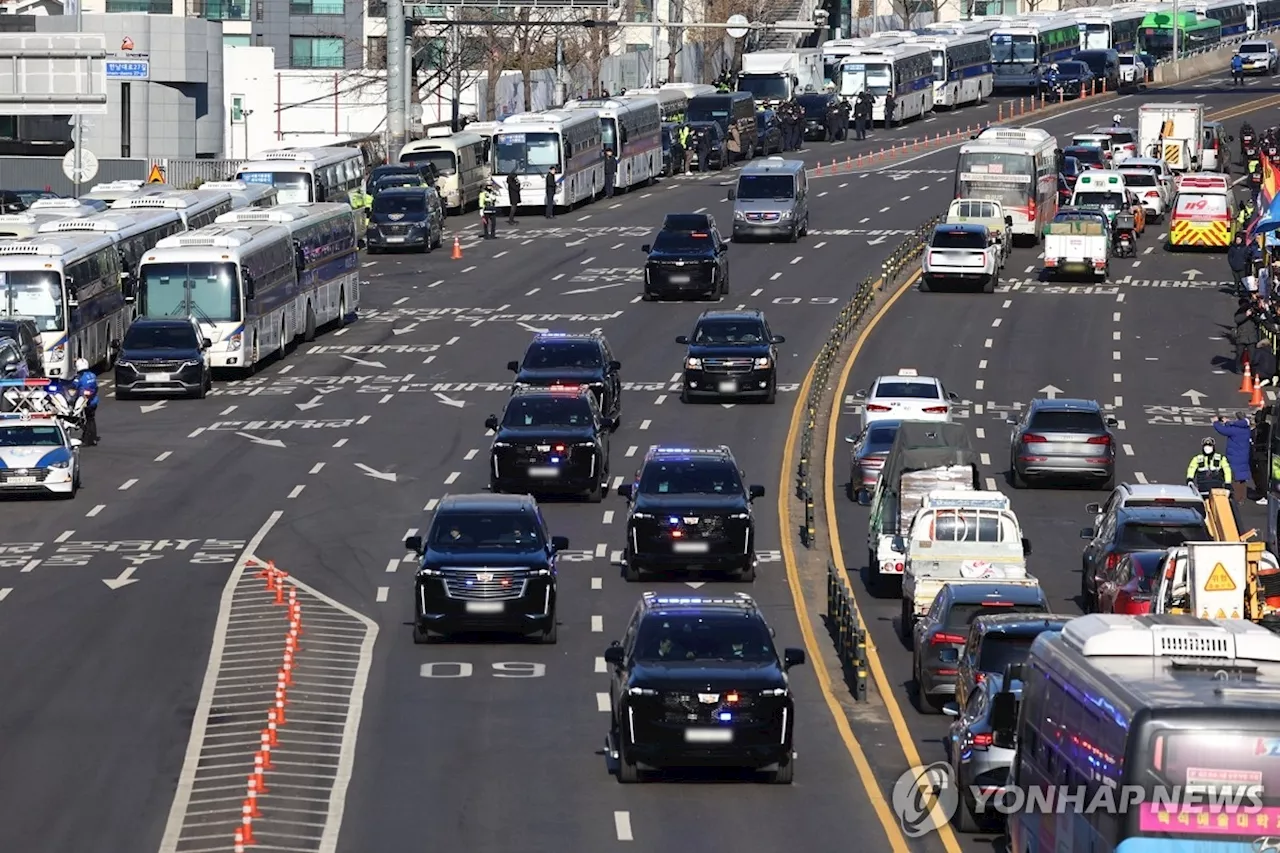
x,y
475,531
959,239
548,412
907,390
962,614
690,477
1097,63
1086,155
728,332
1121,137
564,354
291,187
880,439
1139,179
1128,60
856,77
715,109
999,651
1072,69
210,292
446,162
397,181
1142,536
695,637
682,241
526,153
1009,48
1254,48
1091,142
764,87
752,187
814,107
159,337
1106,201
1003,176
400,203
1095,36
940,66
30,436
36,294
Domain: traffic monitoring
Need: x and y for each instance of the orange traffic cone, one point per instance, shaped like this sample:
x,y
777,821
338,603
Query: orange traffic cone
x,y
246,825
239,843
818,172
457,248
1246,382
1257,401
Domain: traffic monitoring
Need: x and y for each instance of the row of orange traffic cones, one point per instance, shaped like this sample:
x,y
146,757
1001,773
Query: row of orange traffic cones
x,y
1251,386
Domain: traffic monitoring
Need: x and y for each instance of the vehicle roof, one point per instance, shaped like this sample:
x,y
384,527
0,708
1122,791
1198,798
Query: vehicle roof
x,y
726,314
1065,404
1159,514
909,376
919,446
976,593
687,222
975,227
773,165
1014,623
1131,162
653,603
1155,491
485,502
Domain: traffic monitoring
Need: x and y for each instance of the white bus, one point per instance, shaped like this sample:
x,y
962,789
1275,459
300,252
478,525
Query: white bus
x,y
1023,51
240,282
1017,167
70,285
835,51
307,174
1232,14
134,232
328,261
632,127
979,26
1184,712
529,144
196,208
111,191
1115,28
459,160
673,98
904,69
245,195
20,226
962,71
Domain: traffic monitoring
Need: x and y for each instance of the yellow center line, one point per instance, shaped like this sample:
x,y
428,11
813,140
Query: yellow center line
x,y
1246,107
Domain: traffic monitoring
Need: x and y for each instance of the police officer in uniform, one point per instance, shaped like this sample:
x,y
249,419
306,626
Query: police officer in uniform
x,y
513,194
1208,469
862,114
488,213
685,139
837,120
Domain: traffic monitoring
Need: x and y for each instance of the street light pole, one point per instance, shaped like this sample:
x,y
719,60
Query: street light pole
x,y
244,120
79,135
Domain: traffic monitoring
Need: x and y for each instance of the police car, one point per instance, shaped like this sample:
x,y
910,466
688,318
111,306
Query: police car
x,y
907,396
37,455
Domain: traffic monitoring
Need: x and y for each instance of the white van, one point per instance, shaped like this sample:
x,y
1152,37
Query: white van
x,y
459,159
1094,182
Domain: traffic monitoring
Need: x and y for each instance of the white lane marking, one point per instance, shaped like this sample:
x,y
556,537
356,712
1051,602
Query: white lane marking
x,y
775,276
597,583
362,420
597,624
386,398
383,592
452,341
286,368
1115,336
1007,303
984,458
557,276
1128,449
979,384
675,377
797,259
660,399
979,432
988,343
601,666
995,324
127,484
1119,297
469,269
819,245
608,516
631,451
402,300
297,490
431,505
645,424
1115,377
991,484
1116,316
619,245
452,478
392,565
500,254
533,291
164,456
588,260
905,198
1139,476
65,535
429,359
1115,355
228,410
602,703
982,365
340,442
884,210
316,468
1119,401
4,593
617,481
602,550
31,566
622,824
195,432
471,454
97,509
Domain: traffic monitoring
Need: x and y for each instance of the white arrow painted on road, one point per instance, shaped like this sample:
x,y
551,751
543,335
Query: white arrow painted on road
x,y
899,177
364,363
315,403
327,390
152,407
696,584
728,405
449,401
1191,273
376,474
877,241
533,329
123,579
595,289
578,242
1051,391
1196,396
406,330
269,442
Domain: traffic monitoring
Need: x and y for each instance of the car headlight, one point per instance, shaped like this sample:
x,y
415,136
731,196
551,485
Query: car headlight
x,y
590,444
786,214
777,691
128,364
740,516
430,573
642,516
498,445
762,362
642,691
522,385
63,465
693,364
195,362
738,214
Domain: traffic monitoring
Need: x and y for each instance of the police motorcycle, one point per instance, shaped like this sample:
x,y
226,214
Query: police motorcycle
x,y
56,397
1248,142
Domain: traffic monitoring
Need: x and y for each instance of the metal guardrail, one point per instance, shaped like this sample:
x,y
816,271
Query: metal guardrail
x,y
847,631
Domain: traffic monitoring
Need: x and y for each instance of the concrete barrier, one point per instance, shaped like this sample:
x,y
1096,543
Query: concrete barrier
x,y
1210,62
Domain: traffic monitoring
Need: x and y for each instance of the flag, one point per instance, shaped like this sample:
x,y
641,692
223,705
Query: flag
x,y
1270,182
1266,215
1265,221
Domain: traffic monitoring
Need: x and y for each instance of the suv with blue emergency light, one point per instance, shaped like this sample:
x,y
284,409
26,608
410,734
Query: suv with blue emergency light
x,y
550,440
487,564
697,682
556,358
731,354
38,455
689,511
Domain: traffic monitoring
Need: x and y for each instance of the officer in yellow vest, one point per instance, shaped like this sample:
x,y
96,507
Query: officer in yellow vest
x,y
488,214
1208,469
686,145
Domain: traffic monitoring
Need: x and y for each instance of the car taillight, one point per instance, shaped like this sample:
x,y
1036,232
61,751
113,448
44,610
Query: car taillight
x,y
947,639
1112,560
876,407
1032,438
1152,194
980,678
1100,439
935,410
982,741
997,604
1031,210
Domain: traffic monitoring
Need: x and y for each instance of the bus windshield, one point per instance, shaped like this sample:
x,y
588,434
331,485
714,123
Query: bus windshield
x,y
609,133
939,65
1095,37
874,78
36,294
1003,176
446,162
765,87
1020,49
209,292
526,153
291,187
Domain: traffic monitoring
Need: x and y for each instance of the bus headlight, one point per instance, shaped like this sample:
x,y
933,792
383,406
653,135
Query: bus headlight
x,y
58,353
235,342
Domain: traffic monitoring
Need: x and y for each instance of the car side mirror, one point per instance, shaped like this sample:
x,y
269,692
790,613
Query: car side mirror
x,y
1011,420
952,397
733,195
850,439
560,543
1093,508
792,657
626,490
646,248
414,544
513,366
861,395
778,339
951,709
205,343
614,656
1088,533
683,340
755,492
615,365
1111,421
1026,546
491,422
75,442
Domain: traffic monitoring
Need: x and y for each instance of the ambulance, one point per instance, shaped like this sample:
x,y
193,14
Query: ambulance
x,y
1204,212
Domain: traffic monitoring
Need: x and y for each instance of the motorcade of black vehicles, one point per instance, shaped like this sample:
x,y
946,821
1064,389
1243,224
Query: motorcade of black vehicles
x,y
688,257
698,682
816,106
768,133
551,440
730,355
405,217
716,146
725,109
25,333
1068,80
583,358
487,564
1105,65
1130,530
688,510
163,356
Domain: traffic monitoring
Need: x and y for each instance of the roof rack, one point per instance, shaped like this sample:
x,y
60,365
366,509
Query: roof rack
x,y
1099,635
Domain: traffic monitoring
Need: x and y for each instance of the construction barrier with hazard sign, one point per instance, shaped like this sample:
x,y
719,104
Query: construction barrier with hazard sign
x,y
1218,578
1173,155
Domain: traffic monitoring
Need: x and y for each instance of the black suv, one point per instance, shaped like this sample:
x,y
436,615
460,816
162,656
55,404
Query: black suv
x,y
163,356
731,354
550,440
487,564
26,334
698,682
688,257
581,359
688,509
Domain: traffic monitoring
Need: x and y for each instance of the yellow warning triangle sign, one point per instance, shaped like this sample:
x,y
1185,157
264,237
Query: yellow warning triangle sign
x,y
1219,580
156,175
1222,614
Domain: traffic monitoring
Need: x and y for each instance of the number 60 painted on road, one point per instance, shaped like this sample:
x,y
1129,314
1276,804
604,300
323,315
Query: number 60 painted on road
x,y
501,669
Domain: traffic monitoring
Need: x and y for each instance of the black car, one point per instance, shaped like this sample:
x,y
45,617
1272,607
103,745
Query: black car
x,y
731,354
1068,80
424,170
697,682
717,146
1071,169
26,334
1133,529
816,109
1086,158
687,509
550,440
940,634
998,640
687,258
163,356
1105,65
768,133
487,564
11,202
554,358
404,216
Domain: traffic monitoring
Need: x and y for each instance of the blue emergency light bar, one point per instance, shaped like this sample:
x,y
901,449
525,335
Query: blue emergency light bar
x,y
27,416
708,451
739,600
25,383
542,335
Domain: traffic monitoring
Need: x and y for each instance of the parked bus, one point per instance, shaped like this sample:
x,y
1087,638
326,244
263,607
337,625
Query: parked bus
x,y
673,98
196,208
459,161
632,127
1017,167
1183,711
1233,15
70,285
21,226
977,26
962,72
529,144
329,263
1114,29
1262,14
836,51
307,174
1024,50
245,195
112,191
134,232
906,69
1158,30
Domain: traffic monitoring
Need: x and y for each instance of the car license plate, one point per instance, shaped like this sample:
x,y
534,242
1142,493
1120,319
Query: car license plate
x,y
679,278
544,472
22,481
708,735
728,387
395,239
690,547
485,606
156,377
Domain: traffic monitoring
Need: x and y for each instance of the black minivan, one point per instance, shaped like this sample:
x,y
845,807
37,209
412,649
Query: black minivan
x,y
737,109
405,217
1105,65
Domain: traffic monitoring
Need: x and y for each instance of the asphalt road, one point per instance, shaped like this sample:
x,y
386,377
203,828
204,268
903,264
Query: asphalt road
x,y
101,683
1143,345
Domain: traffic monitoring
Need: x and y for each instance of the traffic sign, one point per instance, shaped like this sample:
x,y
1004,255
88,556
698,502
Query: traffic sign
x,y
738,26
88,165
128,69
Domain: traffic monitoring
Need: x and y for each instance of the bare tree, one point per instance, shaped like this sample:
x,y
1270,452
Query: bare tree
x,y
715,57
588,48
906,11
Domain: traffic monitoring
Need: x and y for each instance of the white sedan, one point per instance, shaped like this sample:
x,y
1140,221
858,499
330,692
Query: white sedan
x,y
37,456
907,396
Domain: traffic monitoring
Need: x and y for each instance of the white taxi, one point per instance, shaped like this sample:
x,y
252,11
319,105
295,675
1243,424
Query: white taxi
x,y
37,455
906,396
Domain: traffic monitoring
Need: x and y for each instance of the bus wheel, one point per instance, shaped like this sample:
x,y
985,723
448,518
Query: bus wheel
x,y
310,334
